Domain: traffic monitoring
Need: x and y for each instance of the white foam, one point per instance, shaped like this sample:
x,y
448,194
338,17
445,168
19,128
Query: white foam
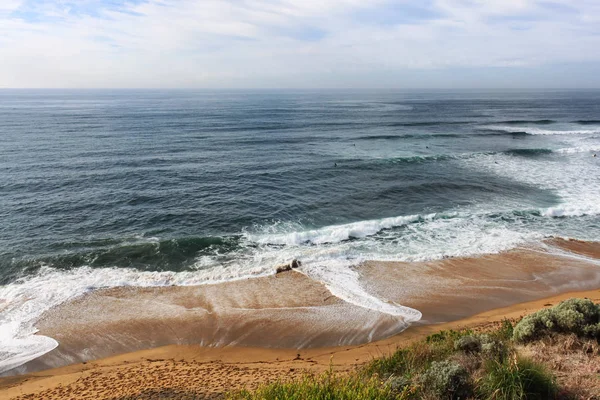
x,y
539,131
567,210
24,301
571,178
343,282
337,233
579,149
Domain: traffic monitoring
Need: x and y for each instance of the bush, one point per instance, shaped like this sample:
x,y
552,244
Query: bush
x,y
493,348
398,384
468,344
446,380
517,378
578,316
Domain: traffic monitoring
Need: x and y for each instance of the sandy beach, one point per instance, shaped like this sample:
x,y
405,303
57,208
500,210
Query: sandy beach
x,y
177,369
130,341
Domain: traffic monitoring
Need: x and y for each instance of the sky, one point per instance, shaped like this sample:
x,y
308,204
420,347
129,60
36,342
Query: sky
x,y
299,44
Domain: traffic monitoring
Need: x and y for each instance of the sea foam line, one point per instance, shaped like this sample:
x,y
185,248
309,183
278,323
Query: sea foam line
x,y
339,233
538,131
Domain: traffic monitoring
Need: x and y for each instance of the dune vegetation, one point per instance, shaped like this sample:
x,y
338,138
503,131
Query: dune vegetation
x,y
551,354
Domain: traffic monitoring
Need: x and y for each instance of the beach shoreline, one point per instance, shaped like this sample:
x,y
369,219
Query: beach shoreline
x,y
238,334
293,310
214,371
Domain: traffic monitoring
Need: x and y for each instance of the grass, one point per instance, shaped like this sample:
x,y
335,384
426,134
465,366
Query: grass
x,y
328,386
517,378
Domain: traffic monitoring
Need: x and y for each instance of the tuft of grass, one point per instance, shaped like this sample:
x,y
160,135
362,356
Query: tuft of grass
x,y
506,330
448,336
517,378
328,386
418,357
578,316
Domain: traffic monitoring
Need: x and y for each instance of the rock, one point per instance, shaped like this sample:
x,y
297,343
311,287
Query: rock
x,y
287,267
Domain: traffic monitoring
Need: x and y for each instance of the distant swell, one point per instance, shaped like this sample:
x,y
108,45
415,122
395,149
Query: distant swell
x,y
405,136
587,122
525,152
428,123
528,152
520,130
503,132
528,122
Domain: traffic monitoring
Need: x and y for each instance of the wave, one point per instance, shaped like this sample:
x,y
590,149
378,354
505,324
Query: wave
x,y
384,137
503,132
570,210
524,152
406,136
339,233
516,130
580,149
427,123
529,122
147,254
587,122
25,300
527,152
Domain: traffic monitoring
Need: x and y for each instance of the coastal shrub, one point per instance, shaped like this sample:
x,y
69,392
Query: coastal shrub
x,y
492,347
468,344
578,316
446,380
517,378
399,384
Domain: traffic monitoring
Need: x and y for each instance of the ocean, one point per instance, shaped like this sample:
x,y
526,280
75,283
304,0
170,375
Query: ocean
x,y
107,188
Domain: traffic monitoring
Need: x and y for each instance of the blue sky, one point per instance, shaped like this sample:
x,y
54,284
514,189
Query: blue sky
x,y
300,44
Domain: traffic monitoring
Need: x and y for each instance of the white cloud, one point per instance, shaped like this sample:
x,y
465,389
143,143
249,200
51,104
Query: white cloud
x,y
169,43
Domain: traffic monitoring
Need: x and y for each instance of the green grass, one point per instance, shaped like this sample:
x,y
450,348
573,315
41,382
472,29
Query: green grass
x,y
326,387
517,378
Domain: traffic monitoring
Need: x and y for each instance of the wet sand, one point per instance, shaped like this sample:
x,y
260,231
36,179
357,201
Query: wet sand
x,y
258,323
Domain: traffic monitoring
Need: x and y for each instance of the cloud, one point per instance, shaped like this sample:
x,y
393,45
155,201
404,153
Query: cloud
x,y
257,43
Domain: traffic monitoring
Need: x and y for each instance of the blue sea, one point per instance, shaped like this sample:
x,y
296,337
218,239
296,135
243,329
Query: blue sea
x,y
105,188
